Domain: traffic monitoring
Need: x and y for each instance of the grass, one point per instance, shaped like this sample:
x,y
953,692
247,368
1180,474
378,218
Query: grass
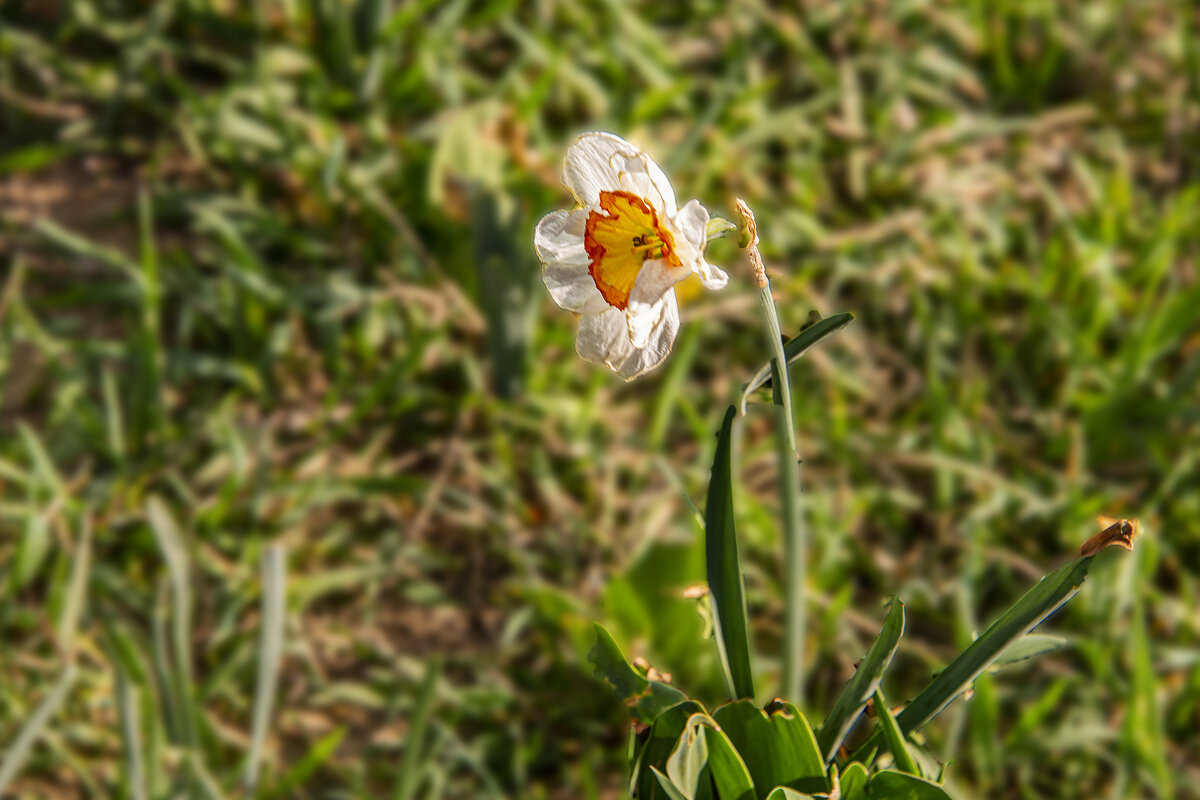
x,y
271,317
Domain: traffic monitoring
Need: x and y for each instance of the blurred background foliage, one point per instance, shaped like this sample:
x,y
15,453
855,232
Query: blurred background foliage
x,y
268,279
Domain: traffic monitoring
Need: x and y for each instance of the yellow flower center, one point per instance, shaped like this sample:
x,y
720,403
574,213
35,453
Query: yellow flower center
x,y
620,240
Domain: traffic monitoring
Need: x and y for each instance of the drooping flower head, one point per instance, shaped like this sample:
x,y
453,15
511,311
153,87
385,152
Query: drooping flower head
x,y
617,256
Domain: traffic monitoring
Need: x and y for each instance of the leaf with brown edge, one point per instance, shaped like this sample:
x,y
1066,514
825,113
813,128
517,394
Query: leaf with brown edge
x,y
645,698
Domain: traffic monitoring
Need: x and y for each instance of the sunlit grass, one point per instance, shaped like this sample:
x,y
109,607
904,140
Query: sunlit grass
x,y
251,258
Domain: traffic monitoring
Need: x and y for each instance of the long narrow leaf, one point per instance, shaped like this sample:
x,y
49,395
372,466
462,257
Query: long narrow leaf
x,y
726,591
864,683
1026,614
1038,603
796,347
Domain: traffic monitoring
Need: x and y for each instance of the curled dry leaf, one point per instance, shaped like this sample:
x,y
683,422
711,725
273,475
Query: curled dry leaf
x,y
1115,533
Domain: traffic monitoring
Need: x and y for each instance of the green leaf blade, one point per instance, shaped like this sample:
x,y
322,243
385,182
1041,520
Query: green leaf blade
x,y
655,750
902,786
729,772
1026,614
796,347
731,627
778,747
670,790
646,700
894,737
863,683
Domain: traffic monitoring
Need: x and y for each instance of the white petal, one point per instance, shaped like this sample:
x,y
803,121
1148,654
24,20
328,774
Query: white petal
x,y
692,222
600,161
641,176
605,338
559,244
658,346
650,290
712,277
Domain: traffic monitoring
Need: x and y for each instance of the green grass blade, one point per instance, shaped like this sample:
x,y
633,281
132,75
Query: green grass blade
x,y
32,550
270,653
77,245
131,736
204,784
726,592
76,599
174,551
17,753
317,755
415,745
894,737
43,465
114,427
148,408
863,684
796,347
505,279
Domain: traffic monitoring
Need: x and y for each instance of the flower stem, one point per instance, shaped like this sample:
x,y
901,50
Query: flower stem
x,y
795,541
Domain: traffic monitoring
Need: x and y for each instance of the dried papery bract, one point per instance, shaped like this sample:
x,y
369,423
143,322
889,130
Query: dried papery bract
x,y
751,245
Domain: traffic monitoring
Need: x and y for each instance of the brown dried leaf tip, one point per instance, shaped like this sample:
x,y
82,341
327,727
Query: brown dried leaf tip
x,y
1116,533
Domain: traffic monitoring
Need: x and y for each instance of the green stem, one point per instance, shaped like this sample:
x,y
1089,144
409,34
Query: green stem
x,y
795,540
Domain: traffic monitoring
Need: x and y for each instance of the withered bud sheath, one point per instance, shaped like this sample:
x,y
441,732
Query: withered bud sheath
x,y
751,228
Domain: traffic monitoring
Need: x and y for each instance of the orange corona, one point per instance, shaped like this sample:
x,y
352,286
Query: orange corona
x,y
620,240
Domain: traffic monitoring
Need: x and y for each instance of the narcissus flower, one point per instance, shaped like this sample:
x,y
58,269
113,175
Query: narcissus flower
x,y
617,256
